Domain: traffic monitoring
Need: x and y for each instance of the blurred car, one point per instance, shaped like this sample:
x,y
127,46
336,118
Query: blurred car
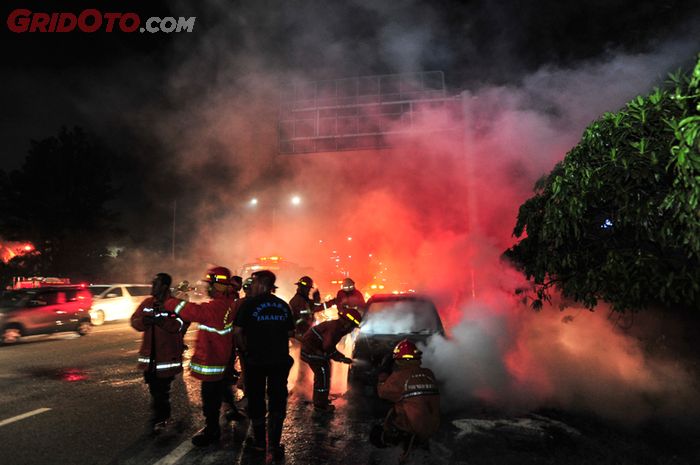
x,y
116,301
388,319
44,310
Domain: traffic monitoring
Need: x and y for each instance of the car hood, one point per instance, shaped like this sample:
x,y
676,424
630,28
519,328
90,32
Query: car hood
x,y
373,345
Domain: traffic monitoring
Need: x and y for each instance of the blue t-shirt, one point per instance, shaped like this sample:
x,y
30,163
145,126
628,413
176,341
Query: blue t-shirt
x,y
266,321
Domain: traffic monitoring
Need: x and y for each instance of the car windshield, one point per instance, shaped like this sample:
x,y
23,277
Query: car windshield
x,y
97,290
14,299
400,317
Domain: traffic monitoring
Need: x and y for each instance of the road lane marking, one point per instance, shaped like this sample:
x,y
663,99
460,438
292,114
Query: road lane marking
x,y
176,454
24,415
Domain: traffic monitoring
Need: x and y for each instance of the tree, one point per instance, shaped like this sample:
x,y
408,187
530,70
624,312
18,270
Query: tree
x,y
618,219
57,201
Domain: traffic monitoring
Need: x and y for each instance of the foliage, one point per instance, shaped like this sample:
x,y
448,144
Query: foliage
x,y
56,200
618,219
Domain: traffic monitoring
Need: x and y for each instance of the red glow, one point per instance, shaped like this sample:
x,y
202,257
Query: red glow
x,y
73,374
10,250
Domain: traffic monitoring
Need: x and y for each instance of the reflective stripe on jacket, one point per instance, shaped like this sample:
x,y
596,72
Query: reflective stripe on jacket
x,y
168,338
215,336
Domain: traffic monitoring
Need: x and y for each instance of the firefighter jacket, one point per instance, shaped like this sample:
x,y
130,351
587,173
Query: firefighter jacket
x,y
166,336
303,309
319,342
416,398
345,300
215,336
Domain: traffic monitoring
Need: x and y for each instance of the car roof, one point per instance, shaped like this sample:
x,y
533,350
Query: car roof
x,y
398,297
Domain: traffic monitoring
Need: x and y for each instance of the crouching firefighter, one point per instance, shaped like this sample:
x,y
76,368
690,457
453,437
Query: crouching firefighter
x,y
415,415
318,348
160,356
213,346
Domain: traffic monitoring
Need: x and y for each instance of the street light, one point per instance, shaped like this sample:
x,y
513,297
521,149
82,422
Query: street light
x,y
296,200
253,202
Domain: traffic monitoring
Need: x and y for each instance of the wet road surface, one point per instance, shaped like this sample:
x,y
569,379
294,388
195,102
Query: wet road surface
x,y
80,400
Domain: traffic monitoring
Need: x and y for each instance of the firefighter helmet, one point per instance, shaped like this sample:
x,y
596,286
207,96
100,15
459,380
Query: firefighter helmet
x,y
348,285
352,314
218,274
237,282
247,283
305,281
406,350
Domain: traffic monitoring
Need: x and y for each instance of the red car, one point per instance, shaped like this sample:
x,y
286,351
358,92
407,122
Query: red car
x,y
44,310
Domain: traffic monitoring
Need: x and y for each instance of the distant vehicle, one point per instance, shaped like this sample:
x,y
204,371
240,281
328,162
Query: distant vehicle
x,y
388,319
116,301
19,282
44,310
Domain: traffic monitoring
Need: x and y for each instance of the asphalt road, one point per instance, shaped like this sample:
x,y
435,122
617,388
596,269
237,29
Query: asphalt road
x,y
67,400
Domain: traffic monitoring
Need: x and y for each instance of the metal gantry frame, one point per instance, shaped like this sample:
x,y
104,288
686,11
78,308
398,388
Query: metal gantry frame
x,y
360,112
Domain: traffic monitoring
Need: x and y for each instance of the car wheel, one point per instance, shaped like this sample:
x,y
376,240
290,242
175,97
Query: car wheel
x,y
11,335
84,328
98,318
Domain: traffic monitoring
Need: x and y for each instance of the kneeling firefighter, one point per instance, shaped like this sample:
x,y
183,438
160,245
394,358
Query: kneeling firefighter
x,y
415,414
213,347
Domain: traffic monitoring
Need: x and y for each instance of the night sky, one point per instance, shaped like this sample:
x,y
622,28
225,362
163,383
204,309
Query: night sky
x,y
104,80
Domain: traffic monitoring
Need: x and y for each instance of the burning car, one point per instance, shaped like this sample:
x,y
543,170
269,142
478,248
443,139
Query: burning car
x,y
388,319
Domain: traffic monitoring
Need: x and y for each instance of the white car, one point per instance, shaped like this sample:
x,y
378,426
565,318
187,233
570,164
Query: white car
x,y
116,301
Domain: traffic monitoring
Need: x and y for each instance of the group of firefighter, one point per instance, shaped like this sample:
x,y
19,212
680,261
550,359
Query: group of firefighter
x,y
255,328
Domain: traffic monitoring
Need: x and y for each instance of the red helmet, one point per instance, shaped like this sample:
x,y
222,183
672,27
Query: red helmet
x,y
351,314
406,350
218,274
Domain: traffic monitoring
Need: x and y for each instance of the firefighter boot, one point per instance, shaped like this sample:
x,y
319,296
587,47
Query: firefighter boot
x,y
257,443
274,431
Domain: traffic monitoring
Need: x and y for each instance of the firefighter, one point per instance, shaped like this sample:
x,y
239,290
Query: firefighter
x,y
415,415
246,286
212,348
303,307
348,297
263,326
160,356
318,348
231,375
236,284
